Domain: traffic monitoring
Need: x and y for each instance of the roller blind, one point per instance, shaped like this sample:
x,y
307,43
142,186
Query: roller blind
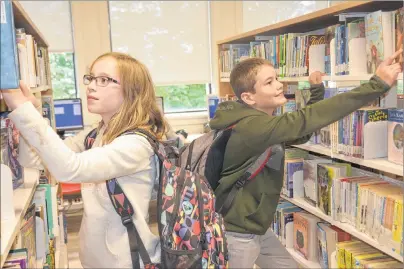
x,y
53,19
170,37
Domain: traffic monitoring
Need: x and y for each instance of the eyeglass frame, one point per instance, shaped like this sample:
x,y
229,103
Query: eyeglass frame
x,y
109,79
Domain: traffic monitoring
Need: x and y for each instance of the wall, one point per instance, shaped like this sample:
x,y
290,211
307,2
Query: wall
x,y
91,39
226,20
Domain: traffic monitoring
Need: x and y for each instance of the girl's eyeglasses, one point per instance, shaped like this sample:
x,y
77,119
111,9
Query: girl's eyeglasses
x,y
101,81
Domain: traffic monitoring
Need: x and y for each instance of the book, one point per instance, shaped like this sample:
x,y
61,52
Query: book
x,y
310,179
9,75
10,137
395,135
326,174
304,235
379,37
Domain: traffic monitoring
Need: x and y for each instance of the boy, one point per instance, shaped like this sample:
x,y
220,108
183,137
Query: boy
x,y
259,93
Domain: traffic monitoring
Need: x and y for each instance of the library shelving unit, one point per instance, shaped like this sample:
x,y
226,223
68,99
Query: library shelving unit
x,y
23,195
310,22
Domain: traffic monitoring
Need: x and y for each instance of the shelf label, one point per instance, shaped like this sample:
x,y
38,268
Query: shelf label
x,y
3,12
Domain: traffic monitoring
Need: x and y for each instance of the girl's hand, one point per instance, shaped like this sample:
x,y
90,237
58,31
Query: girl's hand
x,y
16,97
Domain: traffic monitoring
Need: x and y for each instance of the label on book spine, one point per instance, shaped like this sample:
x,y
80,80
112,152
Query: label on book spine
x,y
3,13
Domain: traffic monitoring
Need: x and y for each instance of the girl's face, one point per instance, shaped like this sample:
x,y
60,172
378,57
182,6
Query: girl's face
x,y
104,93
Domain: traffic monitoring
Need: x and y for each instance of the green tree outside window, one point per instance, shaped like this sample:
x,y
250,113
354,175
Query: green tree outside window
x,y
181,98
63,76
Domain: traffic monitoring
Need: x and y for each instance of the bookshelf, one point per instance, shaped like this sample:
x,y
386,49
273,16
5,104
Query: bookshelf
x,y
302,24
344,226
22,199
232,49
379,164
37,57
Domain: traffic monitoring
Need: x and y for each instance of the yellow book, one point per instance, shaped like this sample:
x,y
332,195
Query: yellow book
x,y
340,250
352,254
397,222
385,265
365,264
352,250
357,261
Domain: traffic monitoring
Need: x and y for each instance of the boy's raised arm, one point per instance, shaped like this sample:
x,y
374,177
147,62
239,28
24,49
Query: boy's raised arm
x,y
269,131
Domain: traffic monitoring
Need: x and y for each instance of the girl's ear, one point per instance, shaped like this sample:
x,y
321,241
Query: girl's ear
x,y
248,98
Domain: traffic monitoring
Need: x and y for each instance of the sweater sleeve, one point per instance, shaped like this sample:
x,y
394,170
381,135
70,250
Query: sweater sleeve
x,y
67,161
316,95
269,131
28,157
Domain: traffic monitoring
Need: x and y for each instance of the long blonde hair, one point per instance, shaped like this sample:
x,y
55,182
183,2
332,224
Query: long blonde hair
x,y
139,109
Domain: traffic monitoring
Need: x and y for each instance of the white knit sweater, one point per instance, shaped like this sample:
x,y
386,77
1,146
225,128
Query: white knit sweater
x,y
130,159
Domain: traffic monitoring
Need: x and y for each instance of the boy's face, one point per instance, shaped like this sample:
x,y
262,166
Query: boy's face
x,y
268,91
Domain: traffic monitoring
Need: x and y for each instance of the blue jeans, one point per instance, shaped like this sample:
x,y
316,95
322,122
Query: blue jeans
x,y
266,251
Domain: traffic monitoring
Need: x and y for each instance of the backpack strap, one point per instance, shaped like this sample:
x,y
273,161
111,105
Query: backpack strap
x,y
124,208
249,175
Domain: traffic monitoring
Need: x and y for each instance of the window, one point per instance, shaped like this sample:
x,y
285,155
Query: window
x,y
172,39
63,75
181,98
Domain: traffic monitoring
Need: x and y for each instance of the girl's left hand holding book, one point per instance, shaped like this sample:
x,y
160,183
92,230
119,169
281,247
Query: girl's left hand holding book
x,y
17,97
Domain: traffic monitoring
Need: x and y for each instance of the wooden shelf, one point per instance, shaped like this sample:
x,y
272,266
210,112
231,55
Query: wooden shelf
x,y
313,21
22,199
301,260
325,78
344,226
379,164
40,89
329,78
22,20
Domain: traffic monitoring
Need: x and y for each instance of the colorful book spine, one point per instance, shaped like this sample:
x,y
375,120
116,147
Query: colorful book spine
x,y
9,75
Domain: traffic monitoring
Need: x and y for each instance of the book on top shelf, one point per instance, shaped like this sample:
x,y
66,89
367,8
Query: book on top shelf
x,y
9,75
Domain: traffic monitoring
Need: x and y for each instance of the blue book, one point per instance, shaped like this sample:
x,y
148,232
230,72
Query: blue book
x,y
9,75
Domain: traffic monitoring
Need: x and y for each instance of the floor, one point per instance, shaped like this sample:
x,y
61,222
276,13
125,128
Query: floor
x,y
73,227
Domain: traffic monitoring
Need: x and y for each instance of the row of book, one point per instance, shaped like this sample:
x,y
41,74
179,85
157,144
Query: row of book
x,y
318,241
21,56
32,60
349,195
355,46
35,245
355,134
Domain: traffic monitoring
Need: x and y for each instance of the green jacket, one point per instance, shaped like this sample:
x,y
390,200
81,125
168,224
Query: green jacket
x,y
255,204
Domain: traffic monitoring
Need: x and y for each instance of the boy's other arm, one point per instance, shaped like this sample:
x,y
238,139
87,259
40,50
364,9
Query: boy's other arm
x,y
269,131
316,94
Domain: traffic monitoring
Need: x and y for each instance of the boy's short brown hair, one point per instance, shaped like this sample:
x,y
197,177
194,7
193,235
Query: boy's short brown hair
x,y
243,76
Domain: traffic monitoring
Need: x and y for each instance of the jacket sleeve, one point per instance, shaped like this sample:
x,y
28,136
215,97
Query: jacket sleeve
x,y
316,95
269,131
124,156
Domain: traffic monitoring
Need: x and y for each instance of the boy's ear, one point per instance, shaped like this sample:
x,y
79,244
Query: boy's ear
x,y
248,98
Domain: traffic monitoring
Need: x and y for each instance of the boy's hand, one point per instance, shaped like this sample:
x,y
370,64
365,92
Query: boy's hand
x,y
316,78
388,71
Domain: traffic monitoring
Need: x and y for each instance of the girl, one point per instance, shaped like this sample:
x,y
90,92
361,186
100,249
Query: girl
x,y
120,90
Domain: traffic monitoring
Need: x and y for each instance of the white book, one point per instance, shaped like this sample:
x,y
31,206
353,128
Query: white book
x,y
31,61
